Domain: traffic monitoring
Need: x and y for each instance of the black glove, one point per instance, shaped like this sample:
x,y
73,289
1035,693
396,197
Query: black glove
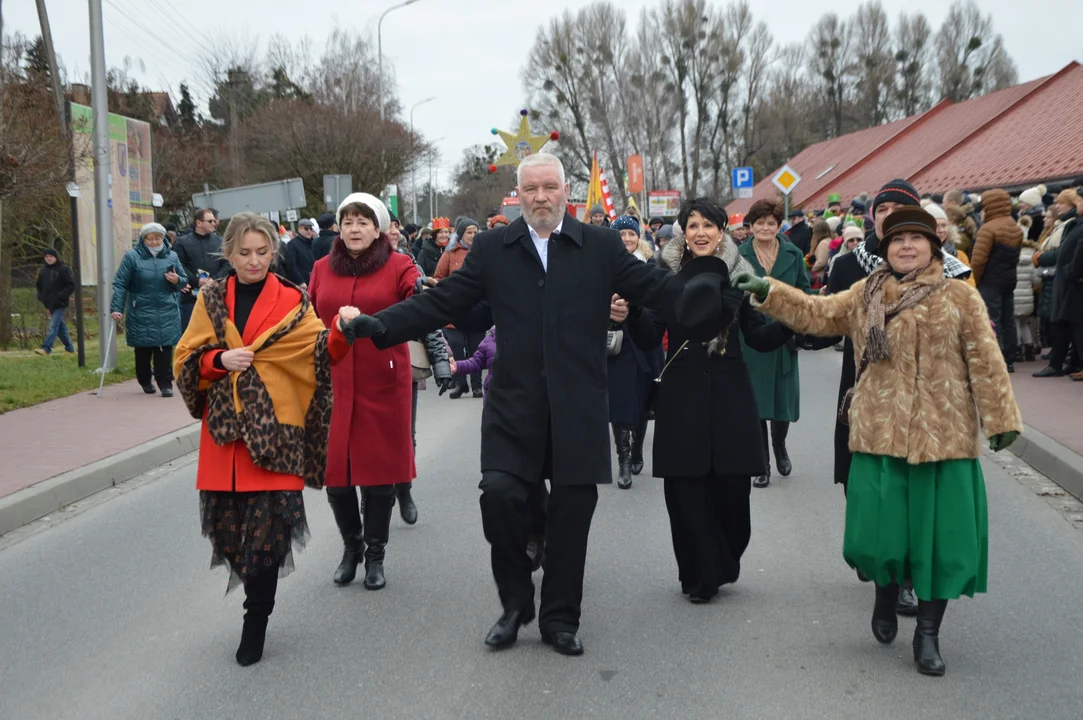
x,y
420,285
363,326
446,384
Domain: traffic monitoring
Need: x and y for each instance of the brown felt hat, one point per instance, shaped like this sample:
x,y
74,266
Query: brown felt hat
x,y
909,219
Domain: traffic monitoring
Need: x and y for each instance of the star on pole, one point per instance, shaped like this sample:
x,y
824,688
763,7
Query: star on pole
x,y
522,144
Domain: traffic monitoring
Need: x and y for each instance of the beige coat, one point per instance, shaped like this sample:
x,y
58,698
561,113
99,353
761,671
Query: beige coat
x,y
945,370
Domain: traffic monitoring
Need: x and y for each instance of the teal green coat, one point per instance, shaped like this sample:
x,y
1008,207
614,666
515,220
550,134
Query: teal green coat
x,y
152,318
775,376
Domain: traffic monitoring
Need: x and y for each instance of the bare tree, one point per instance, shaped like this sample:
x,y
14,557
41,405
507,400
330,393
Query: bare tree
x,y
831,67
761,56
971,56
650,118
874,64
913,64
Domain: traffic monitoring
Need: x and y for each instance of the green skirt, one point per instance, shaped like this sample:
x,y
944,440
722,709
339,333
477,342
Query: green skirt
x,y
928,523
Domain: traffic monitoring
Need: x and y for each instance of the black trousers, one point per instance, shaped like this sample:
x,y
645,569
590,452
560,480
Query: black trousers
x,y
779,431
1065,336
162,360
463,346
1001,306
508,516
711,523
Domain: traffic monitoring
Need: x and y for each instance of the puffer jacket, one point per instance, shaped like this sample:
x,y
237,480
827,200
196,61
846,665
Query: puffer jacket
x,y
152,318
1048,253
1024,281
996,248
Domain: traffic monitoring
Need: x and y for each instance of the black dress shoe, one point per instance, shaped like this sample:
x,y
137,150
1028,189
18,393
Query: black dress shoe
x,y
167,391
761,481
782,461
906,604
1049,371
149,389
457,393
565,643
506,630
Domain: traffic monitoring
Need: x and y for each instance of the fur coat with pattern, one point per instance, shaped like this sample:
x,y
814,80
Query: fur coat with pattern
x,y
944,380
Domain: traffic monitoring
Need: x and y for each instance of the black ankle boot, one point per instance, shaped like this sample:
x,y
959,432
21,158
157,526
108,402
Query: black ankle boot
x,y
407,506
779,431
638,437
622,438
927,637
885,623
377,528
258,604
343,502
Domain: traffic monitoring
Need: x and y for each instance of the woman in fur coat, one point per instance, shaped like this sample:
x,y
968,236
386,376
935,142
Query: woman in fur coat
x,y
254,365
370,445
930,375
707,441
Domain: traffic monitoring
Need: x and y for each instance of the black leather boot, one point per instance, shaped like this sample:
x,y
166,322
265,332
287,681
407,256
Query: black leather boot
x,y
622,437
343,502
906,604
259,602
638,437
407,507
377,528
762,481
779,431
885,624
927,637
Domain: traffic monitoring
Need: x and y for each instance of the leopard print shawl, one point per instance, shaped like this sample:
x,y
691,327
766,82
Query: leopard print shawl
x,y
240,406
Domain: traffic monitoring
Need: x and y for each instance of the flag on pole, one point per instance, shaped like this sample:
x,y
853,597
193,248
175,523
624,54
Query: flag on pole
x,y
598,192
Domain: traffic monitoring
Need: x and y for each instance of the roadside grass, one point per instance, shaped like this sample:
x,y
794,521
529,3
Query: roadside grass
x,y
27,379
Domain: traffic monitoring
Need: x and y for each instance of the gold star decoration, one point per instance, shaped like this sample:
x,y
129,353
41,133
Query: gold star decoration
x,y
522,144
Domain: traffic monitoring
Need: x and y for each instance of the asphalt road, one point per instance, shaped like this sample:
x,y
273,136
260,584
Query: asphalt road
x,y
113,613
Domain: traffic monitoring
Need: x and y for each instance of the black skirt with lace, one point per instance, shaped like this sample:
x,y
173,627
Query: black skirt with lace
x,y
253,532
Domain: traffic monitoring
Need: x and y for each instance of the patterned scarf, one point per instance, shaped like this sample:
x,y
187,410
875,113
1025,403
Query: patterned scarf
x,y
876,314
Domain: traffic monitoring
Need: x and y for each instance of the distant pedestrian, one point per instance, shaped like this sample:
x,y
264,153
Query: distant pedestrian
x,y
328,232
200,252
300,255
149,283
55,286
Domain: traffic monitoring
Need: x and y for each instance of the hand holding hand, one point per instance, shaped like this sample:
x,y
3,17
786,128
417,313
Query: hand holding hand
x,y
363,326
1002,441
345,315
172,277
618,309
749,283
116,316
451,364
237,360
203,281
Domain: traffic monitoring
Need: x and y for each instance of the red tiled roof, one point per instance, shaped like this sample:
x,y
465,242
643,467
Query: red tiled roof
x,y
1039,139
1014,137
841,152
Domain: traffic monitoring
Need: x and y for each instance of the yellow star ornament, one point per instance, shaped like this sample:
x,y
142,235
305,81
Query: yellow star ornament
x,y
523,144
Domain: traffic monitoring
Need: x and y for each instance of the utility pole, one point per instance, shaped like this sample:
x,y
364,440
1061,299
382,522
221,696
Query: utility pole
x,y
103,203
63,117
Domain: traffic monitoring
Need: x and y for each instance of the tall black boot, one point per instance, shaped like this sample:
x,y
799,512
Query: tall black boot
x,y
885,624
622,438
779,431
259,602
343,502
762,481
377,529
927,637
407,507
638,437
907,604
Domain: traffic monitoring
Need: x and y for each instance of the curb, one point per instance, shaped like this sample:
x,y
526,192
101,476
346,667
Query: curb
x,y
1050,458
49,496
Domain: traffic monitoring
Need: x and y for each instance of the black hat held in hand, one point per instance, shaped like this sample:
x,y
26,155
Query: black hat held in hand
x,y
700,307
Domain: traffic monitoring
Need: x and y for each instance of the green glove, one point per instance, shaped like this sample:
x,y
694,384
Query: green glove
x,y
749,283
1002,441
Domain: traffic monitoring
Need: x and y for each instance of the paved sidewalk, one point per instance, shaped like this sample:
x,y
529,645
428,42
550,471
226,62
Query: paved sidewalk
x,y
68,434
1052,405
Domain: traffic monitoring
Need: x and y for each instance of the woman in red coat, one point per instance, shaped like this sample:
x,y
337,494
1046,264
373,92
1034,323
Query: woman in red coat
x,y
370,444
254,365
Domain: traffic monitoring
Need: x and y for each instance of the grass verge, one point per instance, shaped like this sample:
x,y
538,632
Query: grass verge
x,y
27,379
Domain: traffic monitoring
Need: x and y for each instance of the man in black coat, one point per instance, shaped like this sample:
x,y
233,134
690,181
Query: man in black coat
x,y
55,285
298,253
800,234
549,281
321,246
200,252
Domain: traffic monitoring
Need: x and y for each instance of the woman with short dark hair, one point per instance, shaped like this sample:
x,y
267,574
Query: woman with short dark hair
x,y
370,445
774,374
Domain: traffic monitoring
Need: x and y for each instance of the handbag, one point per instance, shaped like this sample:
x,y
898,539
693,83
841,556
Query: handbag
x,y
419,361
614,339
848,399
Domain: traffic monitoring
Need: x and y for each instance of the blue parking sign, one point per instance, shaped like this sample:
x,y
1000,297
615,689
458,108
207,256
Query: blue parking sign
x,y
742,178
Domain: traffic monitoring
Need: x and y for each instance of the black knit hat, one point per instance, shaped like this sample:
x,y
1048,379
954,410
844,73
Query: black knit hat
x,y
325,221
897,191
909,219
51,251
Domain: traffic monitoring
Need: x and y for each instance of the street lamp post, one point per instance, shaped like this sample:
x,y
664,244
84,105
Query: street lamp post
x,y
413,170
433,193
380,53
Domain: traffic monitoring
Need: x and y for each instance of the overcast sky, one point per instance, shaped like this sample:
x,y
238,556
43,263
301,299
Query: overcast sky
x,y
468,53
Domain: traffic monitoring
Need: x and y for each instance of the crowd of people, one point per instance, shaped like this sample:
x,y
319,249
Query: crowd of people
x,y
303,355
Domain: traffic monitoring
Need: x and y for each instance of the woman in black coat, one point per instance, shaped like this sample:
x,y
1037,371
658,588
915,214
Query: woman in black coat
x,y
707,441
